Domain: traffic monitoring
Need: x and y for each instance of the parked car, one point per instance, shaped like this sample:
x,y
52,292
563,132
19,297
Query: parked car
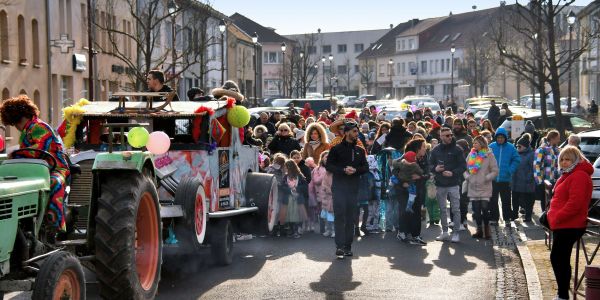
x,y
314,96
349,101
590,144
364,98
484,100
416,99
393,112
317,105
572,122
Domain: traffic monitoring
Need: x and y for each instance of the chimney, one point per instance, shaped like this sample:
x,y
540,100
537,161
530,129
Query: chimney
x,y
391,26
450,13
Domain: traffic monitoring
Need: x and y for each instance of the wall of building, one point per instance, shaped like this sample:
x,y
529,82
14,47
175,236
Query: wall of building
x,y
23,62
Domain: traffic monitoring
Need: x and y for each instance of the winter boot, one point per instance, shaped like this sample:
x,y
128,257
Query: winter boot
x,y
478,234
487,232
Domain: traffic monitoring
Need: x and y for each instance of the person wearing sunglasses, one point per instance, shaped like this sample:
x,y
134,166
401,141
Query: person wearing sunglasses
x,y
448,164
347,162
284,142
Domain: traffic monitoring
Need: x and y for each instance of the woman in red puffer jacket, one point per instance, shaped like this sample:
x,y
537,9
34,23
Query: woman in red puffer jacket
x,y
568,212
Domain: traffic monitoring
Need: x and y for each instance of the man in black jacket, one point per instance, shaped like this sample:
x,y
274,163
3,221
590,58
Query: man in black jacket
x,y
494,113
448,164
346,161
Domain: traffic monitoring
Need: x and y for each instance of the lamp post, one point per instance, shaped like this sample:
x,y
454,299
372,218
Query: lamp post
x,y
283,47
300,67
571,18
452,50
255,42
391,65
330,80
323,61
172,8
222,28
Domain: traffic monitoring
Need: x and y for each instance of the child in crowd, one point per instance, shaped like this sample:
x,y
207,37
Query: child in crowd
x,y
276,168
376,191
322,181
296,190
313,206
404,169
296,156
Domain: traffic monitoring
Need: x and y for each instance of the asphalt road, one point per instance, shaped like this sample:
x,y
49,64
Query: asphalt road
x,y
383,268
305,268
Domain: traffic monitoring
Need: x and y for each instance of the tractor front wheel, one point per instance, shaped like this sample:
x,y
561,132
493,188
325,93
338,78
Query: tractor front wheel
x,y
128,238
60,277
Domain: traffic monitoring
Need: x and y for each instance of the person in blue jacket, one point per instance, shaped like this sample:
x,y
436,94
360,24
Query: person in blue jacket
x,y
508,161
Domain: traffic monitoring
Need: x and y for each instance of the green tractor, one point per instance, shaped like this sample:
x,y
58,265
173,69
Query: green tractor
x,y
121,242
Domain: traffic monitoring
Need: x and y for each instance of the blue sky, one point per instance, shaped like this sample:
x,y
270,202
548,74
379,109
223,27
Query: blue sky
x,y
304,16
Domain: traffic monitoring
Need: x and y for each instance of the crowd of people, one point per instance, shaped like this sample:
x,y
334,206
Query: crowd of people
x,y
347,173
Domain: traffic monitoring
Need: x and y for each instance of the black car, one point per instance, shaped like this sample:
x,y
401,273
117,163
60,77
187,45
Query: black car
x,y
571,121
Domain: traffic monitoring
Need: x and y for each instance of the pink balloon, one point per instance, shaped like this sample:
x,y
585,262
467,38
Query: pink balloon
x,y
2,143
158,143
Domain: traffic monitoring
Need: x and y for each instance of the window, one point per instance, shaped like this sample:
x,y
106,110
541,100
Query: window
x,y
61,15
311,49
447,65
169,33
326,70
326,48
442,66
35,42
23,92
21,27
84,26
359,47
272,87
343,69
398,70
437,63
456,36
381,70
342,48
444,38
5,94
413,68
272,57
411,44
155,34
64,91
36,99
423,66
86,88
431,66
356,68
403,68
4,35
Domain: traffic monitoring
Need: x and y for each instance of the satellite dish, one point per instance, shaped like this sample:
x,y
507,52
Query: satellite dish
x,y
474,7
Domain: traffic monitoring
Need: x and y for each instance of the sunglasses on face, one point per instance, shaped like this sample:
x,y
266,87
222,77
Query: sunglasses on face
x,y
283,130
446,135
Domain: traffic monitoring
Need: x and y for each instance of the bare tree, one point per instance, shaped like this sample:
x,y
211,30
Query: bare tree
x,y
366,72
525,32
145,36
478,66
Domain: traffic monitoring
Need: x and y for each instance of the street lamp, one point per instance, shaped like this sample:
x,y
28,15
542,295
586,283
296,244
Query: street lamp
x,y
331,79
391,65
172,8
255,42
571,18
323,61
300,88
222,30
283,47
452,50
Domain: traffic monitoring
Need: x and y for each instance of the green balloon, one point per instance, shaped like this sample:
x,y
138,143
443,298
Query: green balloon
x,y
138,137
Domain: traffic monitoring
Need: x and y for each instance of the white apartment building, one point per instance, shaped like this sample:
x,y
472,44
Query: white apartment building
x,y
343,47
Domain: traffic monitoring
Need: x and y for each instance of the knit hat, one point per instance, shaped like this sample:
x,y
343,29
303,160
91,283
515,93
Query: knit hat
x,y
351,115
410,156
300,134
529,127
364,126
434,124
525,140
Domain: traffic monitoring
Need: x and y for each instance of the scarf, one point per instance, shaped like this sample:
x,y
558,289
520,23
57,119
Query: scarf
x,y
475,159
314,144
571,167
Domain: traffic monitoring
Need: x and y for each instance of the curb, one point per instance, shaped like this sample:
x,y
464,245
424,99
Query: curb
x,y
534,286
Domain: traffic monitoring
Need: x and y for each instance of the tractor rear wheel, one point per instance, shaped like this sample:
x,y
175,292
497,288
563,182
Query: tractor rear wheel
x,y
128,238
60,277
221,242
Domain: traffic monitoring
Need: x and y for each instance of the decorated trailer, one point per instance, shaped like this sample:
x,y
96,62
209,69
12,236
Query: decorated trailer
x,y
148,179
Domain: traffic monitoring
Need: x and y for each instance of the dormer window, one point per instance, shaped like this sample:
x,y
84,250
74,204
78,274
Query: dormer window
x,y
444,38
456,36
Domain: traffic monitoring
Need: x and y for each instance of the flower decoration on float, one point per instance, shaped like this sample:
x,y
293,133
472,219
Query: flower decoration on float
x,y
72,117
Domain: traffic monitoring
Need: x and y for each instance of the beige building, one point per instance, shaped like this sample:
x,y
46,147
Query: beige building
x,y
24,64
241,60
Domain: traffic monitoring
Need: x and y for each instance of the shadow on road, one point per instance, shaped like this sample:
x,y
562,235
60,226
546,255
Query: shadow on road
x,y
336,280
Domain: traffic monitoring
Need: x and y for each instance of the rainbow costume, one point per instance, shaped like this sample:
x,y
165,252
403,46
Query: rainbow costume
x,y
39,135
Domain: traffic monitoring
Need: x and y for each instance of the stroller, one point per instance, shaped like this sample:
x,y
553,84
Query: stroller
x,y
388,208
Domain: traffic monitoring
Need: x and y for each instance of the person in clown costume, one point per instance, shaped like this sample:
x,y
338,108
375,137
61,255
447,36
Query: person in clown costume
x,y
337,127
23,114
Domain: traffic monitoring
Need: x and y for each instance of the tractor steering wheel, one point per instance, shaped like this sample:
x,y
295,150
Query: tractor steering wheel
x,y
44,153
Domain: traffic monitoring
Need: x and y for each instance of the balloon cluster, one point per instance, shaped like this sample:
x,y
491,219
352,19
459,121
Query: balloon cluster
x,y
238,116
157,142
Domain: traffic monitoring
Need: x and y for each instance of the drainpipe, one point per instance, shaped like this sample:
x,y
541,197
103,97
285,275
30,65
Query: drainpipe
x,y
49,60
